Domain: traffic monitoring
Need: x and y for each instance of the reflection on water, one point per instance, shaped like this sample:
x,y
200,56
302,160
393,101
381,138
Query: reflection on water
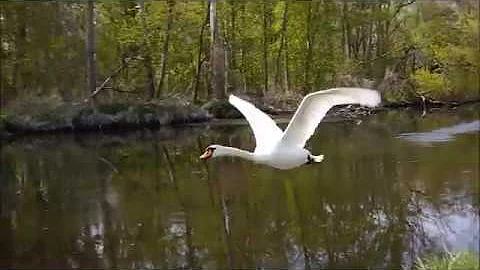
x,y
441,134
145,199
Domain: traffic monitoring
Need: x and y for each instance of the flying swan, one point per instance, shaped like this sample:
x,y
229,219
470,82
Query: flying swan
x,y
285,150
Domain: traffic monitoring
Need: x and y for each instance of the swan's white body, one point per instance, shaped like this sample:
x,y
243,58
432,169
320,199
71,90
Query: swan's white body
x,y
285,149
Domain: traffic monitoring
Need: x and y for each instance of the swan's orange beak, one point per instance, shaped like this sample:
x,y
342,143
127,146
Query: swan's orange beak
x,y
208,154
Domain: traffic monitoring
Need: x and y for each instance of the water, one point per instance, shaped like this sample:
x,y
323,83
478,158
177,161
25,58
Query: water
x,y
388,191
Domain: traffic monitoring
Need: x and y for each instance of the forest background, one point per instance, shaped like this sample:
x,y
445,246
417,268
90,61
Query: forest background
x,y
196,51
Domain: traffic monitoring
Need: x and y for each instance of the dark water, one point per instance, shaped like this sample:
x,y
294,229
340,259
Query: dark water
x,y
389,190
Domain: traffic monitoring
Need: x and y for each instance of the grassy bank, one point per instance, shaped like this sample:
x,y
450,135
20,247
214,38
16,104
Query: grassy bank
x,y
459,260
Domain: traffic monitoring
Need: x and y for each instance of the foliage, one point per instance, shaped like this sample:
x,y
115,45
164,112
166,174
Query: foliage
x,y
279,46
458,260
430,84
449,39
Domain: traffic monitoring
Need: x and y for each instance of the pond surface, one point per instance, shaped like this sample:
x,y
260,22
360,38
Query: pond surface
x,y
392,187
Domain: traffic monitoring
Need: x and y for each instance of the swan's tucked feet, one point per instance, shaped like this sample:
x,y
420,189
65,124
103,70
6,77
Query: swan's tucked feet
x,y
314,159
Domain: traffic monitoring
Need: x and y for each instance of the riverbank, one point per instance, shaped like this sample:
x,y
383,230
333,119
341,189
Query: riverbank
x,y
47,116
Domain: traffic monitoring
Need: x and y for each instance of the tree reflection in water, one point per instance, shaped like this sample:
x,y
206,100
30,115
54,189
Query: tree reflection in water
x,y
145,199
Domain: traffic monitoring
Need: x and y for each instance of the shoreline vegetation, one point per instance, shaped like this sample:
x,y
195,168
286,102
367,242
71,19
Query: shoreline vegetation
x,y
467,260
98,65
53,115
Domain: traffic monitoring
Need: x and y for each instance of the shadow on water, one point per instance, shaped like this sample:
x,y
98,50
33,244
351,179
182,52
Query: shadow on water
x,y
145,200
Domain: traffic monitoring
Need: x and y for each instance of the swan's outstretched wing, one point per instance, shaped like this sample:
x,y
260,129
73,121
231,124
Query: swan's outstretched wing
x,y
314,106
266,132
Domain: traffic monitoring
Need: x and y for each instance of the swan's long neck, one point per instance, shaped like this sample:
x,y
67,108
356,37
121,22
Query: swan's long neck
x,y
232,151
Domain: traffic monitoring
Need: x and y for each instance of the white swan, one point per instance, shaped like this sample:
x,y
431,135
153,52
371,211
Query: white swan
x,y
285,150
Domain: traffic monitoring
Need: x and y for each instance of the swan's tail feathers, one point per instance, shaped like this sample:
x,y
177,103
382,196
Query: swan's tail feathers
x,y
317,159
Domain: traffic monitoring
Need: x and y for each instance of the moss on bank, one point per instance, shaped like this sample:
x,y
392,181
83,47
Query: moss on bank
x,y
51,114
45,116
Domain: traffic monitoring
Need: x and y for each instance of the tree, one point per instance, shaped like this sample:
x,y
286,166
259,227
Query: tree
x,y
266,37
217,56
309,43
91,63
2,76
20,44
294,46
146,55
283,49
200,61
166,44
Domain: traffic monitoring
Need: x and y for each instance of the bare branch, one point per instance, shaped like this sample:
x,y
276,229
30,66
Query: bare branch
x,y
109,164
397,10
402,5
125,64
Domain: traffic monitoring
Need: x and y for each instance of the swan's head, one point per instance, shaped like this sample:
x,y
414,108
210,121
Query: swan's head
x,y
215,150
211,151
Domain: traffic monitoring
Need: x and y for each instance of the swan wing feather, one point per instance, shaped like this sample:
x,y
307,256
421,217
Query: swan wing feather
x,y
265,130
315,105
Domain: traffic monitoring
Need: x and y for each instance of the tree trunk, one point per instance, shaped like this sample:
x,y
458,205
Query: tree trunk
x,y
199,56
286,60
308,50
231,63
369,46
91,61
346,31
147,59
287,67
59,73
169,23
226,68
20,39
2,76
233,17
379,34
217,56
243,53
265,48
283,37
